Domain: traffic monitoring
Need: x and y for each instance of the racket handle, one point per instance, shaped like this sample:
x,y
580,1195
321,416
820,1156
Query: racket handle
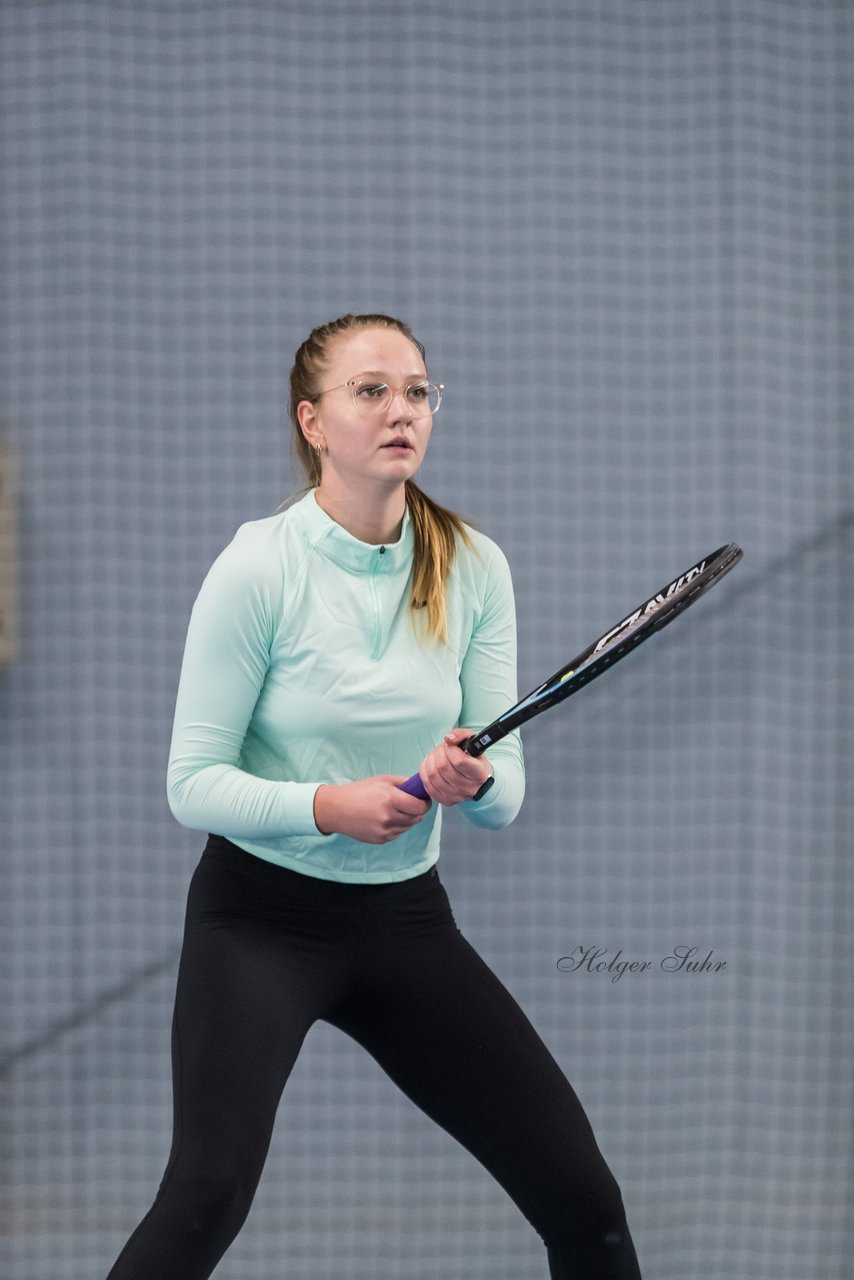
x,y
414,787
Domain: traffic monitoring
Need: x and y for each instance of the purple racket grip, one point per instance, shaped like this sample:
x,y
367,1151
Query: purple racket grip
x,y
414,787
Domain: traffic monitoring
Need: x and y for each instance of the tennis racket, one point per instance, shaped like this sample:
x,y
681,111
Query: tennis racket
x,y
638,626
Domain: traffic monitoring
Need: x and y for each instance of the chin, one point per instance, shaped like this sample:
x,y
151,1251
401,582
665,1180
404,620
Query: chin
x,y
409,459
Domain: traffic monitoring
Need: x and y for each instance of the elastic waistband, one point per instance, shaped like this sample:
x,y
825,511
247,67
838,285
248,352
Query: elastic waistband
x,y
224,852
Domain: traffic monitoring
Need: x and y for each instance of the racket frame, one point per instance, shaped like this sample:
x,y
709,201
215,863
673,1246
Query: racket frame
x,y
636,627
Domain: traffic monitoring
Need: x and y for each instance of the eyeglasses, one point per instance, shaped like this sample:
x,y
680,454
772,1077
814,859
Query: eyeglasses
x,y
372,398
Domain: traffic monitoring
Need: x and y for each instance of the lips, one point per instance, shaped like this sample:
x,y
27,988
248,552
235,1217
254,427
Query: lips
x,y
399,442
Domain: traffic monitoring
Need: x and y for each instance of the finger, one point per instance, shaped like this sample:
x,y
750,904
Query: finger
x,y
444,769
443,780
443,791
449,785
459,768
459,735
438,776
406,806
462,763
403,802
396,829
434,785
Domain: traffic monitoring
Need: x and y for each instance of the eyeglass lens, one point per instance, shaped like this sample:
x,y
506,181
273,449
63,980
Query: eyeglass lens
x,y
375,397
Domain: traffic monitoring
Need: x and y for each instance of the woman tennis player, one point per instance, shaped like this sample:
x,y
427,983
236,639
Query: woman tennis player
x,y
333,649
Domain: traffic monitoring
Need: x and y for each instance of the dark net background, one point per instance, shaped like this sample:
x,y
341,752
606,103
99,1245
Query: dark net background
x,y
623,231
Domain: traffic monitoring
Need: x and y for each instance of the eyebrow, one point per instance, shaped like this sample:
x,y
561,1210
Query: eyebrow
x,y
378,373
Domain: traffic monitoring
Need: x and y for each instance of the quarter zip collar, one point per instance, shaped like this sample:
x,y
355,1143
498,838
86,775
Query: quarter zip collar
x,y
331,540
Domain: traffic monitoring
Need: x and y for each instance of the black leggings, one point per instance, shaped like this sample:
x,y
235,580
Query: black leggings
x,y
267,952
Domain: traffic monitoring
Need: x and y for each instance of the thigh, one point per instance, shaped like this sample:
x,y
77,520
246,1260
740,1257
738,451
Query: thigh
x,y
453,1038
257,968
252,979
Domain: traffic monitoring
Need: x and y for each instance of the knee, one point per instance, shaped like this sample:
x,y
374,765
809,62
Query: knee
x,y
593,1193
610,1201
590,1216
214,1205
606,1214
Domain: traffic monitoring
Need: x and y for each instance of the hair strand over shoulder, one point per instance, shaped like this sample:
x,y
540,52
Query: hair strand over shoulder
x,y
435,529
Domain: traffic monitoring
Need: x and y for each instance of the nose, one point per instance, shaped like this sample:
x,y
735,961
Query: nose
x,y
407,415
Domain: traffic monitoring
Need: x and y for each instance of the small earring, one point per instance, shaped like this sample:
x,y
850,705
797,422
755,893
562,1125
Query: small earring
x,y
319,448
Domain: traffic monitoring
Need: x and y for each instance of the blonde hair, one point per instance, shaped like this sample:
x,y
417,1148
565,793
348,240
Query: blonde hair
x,y
435,529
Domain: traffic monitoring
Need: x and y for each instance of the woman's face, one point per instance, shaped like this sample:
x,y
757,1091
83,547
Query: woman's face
x,y
357,447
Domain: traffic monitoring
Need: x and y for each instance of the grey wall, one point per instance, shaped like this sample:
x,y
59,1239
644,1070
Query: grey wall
x,y
623,230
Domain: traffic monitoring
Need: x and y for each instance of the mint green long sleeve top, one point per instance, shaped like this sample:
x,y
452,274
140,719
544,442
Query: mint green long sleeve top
x,y
301,667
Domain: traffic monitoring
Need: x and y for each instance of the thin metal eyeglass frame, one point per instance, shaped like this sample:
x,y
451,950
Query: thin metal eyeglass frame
x,y
351,383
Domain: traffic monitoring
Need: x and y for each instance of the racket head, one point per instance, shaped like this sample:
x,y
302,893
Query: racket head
x,y
653,614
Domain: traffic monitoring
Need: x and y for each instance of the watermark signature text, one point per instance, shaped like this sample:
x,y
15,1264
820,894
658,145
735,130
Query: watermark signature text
x,y
682,959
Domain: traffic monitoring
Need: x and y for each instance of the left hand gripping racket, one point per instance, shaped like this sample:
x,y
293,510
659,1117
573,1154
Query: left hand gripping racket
x,y
638,626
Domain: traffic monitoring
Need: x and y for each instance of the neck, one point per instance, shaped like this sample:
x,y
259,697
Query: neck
x,y
376,521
